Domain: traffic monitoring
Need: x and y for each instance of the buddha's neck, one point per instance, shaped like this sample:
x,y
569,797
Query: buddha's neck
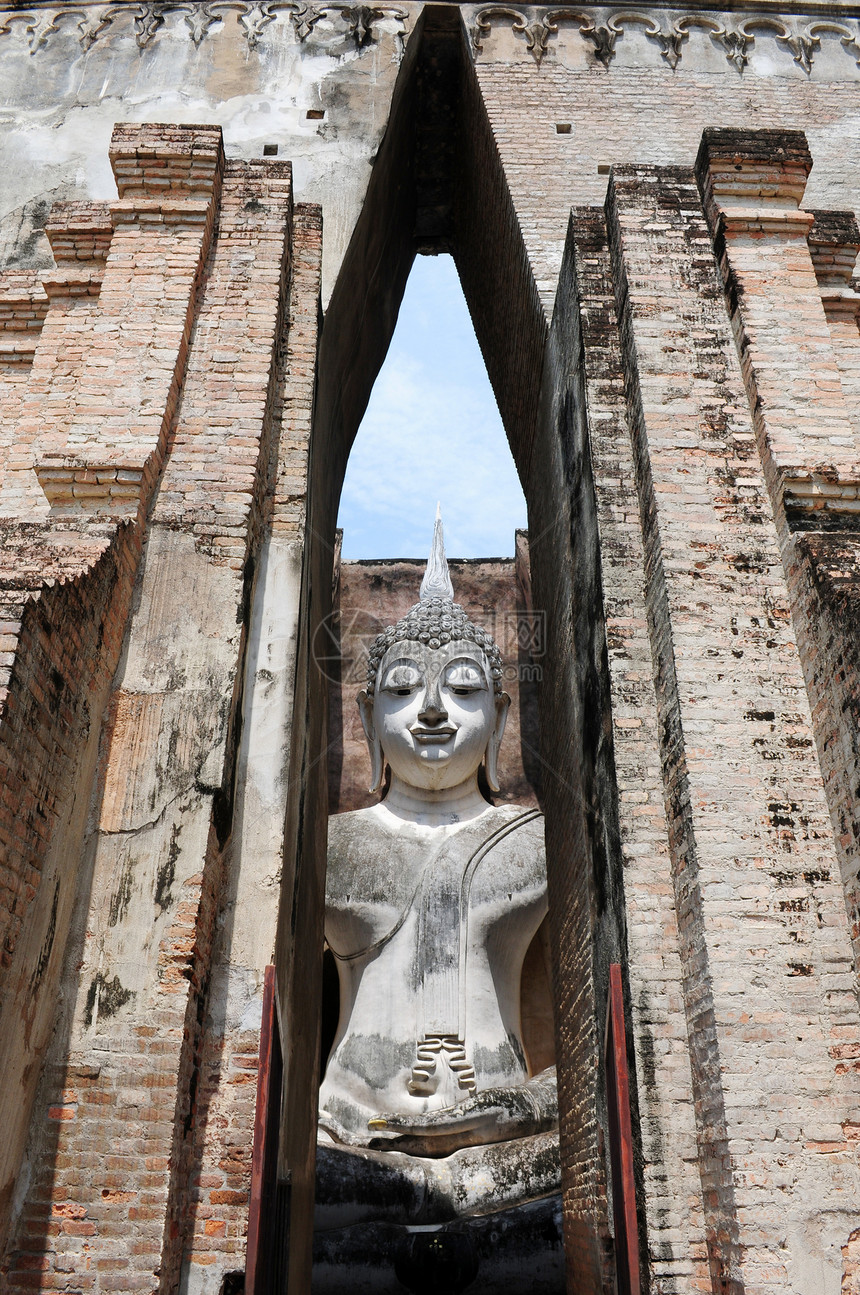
x,y
435,808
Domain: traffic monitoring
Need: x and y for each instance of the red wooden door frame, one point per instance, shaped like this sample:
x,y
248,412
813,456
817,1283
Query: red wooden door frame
x,y
264,1159
621,1140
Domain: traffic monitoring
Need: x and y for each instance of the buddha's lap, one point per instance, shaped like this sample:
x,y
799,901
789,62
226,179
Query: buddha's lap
x,y
357,1184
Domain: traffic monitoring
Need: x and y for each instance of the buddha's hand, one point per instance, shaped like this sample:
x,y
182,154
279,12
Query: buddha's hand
x,y
496,1115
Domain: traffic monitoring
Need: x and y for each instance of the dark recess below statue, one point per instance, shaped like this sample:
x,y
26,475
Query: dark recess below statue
x,y
481,1256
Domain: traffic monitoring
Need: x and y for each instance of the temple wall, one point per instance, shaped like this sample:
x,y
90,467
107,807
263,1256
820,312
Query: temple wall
x,y
133,1079
586,373
676,366
638,87
321,100
745,1027
629,104
64,612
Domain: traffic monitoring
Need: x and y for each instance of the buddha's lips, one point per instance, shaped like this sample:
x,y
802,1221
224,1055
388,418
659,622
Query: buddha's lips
x,y
433,734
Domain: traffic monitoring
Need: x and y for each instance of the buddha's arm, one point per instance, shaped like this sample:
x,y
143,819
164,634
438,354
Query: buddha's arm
x,y
495,1115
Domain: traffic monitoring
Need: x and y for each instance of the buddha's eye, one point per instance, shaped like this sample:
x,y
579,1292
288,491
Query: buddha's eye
x,y
402,678
464,678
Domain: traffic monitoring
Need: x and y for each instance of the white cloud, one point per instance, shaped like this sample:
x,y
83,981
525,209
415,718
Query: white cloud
x,y
431,432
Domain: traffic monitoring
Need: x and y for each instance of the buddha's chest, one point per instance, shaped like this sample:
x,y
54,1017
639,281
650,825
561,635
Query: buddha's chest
x,y
472,889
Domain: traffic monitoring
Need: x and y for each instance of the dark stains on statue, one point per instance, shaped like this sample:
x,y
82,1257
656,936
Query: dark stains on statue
x,y
369,1056
500,1060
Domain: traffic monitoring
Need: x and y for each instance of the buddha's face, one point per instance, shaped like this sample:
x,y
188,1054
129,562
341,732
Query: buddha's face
x,y
434,712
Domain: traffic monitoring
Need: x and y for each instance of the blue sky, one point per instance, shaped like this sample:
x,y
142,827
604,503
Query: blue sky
x,y
431,432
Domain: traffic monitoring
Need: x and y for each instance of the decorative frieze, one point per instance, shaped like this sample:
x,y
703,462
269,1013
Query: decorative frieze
x,y
797,36
91,22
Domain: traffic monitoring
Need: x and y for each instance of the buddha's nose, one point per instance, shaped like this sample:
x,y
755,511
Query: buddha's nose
x,y
432,712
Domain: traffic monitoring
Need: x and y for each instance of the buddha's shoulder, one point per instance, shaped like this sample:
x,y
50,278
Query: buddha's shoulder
x,y
516,825
521,815
361,829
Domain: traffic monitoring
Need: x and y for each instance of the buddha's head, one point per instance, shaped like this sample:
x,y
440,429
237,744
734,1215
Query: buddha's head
x,y
434,706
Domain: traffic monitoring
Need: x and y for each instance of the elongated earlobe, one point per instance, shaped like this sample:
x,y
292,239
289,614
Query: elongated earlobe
x,y
377,762
491,757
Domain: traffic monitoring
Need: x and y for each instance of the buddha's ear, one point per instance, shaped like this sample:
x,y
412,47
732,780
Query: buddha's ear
x,y
491,759
377,763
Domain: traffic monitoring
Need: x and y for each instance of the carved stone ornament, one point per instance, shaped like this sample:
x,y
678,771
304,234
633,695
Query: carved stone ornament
x,y
92,21
799,36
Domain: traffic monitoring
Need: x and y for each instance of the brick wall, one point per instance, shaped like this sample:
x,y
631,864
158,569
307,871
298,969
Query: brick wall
x,y
636,107
173,383
69,380
797,359
214,1221
763,944
670,1204
63,614
121,1087
492,254
100,452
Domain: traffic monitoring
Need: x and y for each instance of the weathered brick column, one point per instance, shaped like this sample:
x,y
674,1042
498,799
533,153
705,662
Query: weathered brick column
x,y
797,372
65,590
80,234
768,989
752,184
63,609
608,857
672,1206
116,1183
101,442
255,856
92,419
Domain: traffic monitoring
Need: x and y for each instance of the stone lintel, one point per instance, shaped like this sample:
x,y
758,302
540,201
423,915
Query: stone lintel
x,y
158,211
150,158
93,483
18,351
815,492
758,220
752,168
71,281
840,304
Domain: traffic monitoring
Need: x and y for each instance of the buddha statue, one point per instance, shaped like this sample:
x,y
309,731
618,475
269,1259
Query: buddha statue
x,y
435,1141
